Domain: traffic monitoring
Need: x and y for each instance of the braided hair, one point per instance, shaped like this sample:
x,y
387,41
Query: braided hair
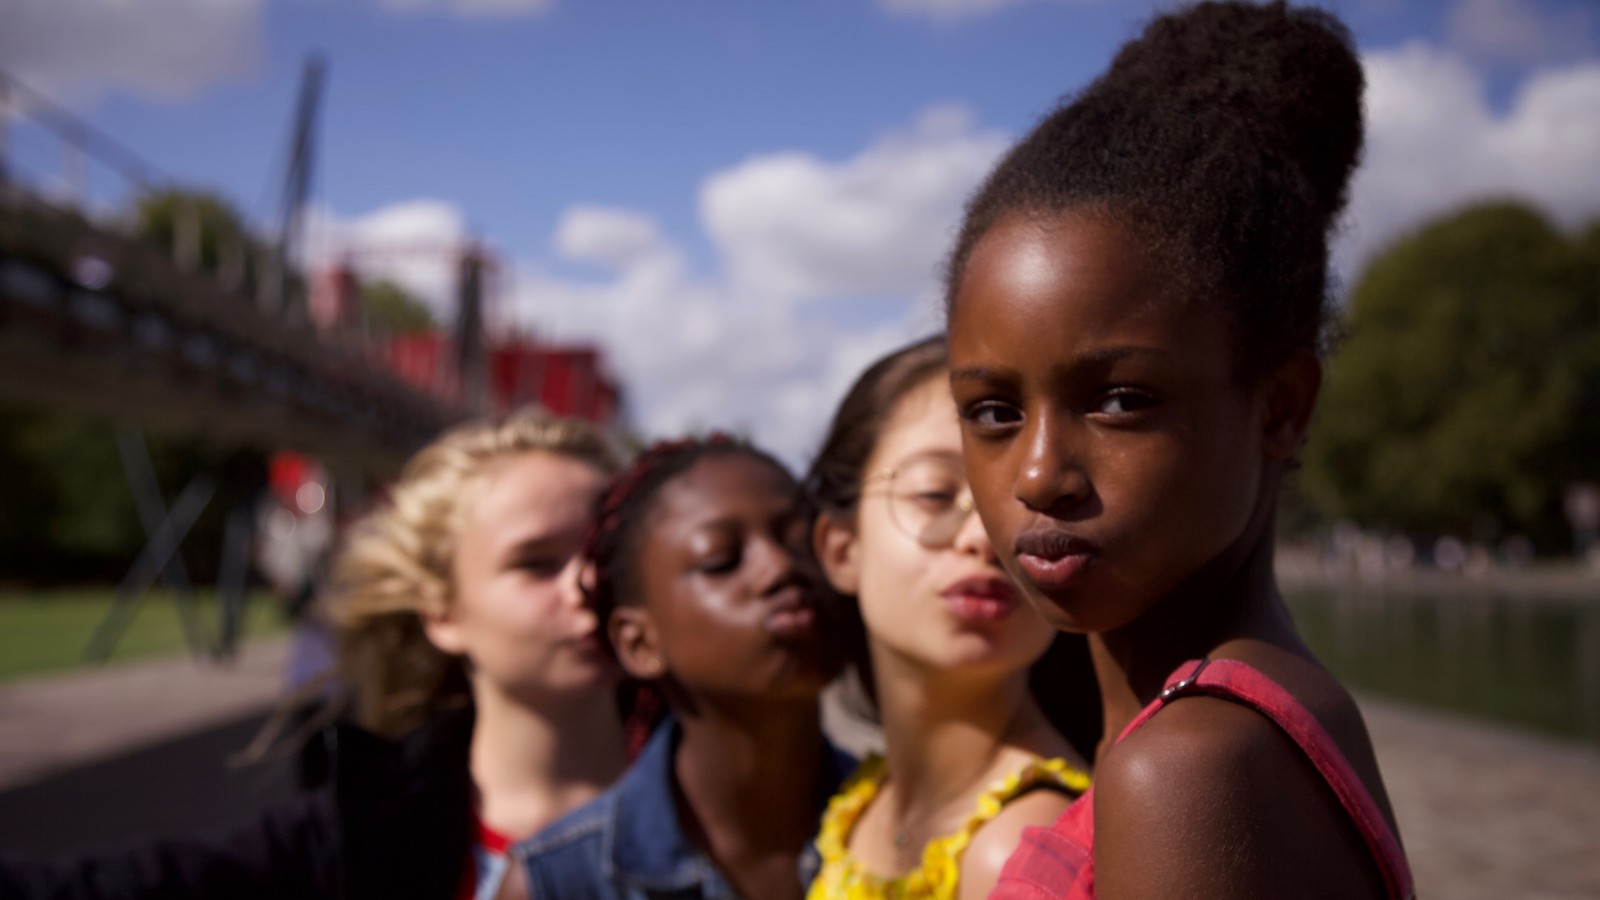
x,y
1224,137
612,546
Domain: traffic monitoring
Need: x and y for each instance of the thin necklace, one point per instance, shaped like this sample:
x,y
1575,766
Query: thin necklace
x,y
903,827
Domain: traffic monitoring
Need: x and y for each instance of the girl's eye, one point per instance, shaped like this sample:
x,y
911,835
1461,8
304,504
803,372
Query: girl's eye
x,y
1125,401
991,414
542,567
935,501
718,563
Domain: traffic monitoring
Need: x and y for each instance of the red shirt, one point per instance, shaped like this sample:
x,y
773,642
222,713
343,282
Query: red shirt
x,y
489,843
1058,862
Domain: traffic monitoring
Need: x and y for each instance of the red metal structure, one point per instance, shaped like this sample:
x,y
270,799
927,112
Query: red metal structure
x,y
568,380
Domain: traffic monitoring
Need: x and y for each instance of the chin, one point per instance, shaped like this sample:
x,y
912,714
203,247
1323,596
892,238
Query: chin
x,y
585,681
804,680
1061,614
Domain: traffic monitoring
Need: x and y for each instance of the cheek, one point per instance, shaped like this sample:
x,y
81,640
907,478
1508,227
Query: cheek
x,y
1182,500
892,573
697,631
530,609
991,477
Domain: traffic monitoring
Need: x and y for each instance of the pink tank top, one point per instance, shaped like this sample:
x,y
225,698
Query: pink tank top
x,y
1058,862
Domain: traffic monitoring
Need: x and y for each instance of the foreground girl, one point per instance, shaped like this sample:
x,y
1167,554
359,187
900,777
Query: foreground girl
x,y
972,757
696,569
1135,308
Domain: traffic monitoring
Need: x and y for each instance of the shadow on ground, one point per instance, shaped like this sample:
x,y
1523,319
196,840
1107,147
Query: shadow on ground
x,y
183,787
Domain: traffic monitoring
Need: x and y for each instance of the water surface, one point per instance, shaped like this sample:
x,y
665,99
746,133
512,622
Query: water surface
x,y
1531,662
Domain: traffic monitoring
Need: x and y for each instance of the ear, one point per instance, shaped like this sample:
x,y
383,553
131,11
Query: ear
x,y
444,631
633,635
1290,396
834,543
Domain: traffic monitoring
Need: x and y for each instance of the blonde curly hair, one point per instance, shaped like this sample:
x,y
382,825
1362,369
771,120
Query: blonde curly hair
x,y
396,565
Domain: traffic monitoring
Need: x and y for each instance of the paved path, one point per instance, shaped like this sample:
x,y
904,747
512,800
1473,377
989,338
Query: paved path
x,y
1488,814
61,721
1484,812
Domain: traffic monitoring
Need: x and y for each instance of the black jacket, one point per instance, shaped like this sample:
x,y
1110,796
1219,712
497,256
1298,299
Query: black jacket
x,y
390,820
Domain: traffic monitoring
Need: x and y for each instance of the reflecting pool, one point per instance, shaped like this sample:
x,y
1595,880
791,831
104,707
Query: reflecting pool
x,y
1529,661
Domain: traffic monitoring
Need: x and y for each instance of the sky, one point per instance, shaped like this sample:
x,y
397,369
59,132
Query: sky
x,y
744,202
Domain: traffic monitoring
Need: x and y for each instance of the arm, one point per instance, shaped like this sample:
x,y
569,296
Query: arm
x,y
1210,799
994,843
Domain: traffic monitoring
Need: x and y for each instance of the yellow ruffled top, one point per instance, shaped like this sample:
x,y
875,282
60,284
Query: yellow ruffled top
x,y
842,878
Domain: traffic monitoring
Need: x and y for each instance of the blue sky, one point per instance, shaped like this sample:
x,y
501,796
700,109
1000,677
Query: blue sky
x,y
743,201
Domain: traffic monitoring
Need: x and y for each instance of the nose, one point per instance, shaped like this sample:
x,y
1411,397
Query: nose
x,y
973,539
570,587
570,582
775,566
1049,478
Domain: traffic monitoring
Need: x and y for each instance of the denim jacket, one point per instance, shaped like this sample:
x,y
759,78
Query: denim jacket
x,y
626,844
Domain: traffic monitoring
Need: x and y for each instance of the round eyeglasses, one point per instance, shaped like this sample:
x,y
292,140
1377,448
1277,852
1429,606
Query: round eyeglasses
x,y
929,499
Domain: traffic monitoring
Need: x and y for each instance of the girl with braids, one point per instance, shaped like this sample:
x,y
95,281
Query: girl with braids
x,y
1136,303
945,647
695,566
464,635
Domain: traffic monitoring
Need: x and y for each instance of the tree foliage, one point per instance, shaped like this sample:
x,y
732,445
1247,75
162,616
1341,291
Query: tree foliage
x,y
392,309
221,235
70,515
1467,396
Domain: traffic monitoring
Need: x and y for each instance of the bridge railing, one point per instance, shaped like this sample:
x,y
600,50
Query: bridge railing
x,y
52,155
189,332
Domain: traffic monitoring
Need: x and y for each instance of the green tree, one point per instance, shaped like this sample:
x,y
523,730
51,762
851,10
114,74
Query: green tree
x,y
391,308
1468,392
70,514
221,237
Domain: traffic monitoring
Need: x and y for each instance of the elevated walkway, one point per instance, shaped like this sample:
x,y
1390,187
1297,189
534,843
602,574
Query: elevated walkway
x,y
96,323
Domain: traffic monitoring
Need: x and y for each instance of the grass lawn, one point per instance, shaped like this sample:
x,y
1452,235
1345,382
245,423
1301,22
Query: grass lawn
x,y
47,631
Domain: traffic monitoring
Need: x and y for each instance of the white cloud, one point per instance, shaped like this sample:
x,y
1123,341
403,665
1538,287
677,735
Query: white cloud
x,y
793,225
768,340
472,8
1434,143
767,353
415,244
607,235
1520,31
169,49
948,10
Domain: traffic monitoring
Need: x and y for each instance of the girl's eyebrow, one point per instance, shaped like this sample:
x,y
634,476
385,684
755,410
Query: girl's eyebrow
x,y
1099,356
720,523
979,373
1113,354
538,542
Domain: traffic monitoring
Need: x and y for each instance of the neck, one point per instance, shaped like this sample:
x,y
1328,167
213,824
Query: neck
x,y
1233,598
532,764
748,773
945,729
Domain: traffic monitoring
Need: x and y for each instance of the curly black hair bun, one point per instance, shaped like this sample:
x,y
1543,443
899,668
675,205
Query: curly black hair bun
x,y
1225,137
1288,76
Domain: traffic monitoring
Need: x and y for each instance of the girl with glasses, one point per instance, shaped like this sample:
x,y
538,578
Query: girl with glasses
x,y
944,646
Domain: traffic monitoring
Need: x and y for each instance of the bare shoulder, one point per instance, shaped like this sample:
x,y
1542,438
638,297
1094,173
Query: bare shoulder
x,y
997,839
1210,798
